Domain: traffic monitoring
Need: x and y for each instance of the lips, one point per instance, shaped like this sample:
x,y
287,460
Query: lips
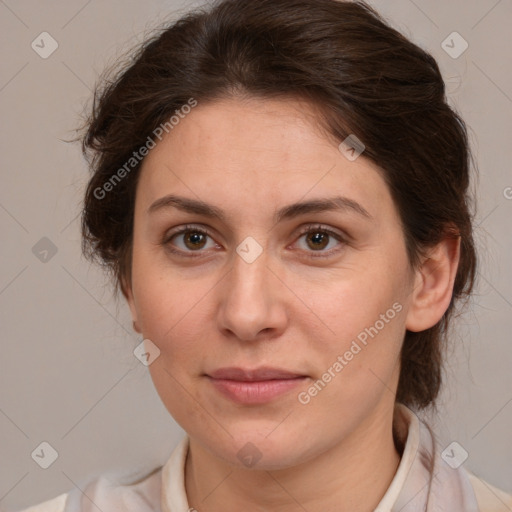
x,y
253,387
260,374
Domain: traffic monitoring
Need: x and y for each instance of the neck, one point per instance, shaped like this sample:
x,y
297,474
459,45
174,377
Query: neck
x,y
352,476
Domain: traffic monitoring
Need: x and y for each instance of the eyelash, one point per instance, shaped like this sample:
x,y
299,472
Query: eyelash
x,y
312,228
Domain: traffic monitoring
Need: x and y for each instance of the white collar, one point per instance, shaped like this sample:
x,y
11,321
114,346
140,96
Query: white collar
x,y
423,481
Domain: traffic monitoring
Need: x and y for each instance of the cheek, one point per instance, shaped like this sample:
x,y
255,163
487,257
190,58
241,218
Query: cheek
x,y
350,305
171,312
366,332
169,317
358,342
358,365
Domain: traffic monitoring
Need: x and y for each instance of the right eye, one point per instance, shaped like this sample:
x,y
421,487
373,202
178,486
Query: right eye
x,y
193,240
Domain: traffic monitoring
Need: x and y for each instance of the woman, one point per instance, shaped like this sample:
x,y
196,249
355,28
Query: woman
x,y
280,190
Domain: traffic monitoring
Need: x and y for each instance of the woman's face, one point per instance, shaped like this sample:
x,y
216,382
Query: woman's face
x,y
318,292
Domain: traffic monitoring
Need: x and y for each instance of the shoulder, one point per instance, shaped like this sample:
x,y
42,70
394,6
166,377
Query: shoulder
x,y
54,505
489,498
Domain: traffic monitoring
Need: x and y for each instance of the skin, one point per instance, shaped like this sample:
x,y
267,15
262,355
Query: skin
x,y
286,309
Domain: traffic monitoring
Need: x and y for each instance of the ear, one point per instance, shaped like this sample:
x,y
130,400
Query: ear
x,y
433,287
127,292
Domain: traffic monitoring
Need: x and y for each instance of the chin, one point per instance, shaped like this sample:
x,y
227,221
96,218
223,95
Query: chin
x,y
253,451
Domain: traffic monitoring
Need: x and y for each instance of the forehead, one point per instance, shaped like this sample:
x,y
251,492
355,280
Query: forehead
x,y
254,152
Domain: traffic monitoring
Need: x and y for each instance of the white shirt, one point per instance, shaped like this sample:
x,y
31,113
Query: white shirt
x,y
424,482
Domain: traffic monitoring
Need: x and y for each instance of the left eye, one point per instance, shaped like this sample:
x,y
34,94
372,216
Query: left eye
x,y
318,239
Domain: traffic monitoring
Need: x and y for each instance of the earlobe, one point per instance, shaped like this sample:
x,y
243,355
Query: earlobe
x,y
128,295
433,287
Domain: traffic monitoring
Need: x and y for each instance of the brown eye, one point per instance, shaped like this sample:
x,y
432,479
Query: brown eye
x,y
188,240
317,240
194,239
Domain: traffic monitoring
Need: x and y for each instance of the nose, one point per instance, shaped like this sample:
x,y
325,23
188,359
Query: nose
x,y
252,301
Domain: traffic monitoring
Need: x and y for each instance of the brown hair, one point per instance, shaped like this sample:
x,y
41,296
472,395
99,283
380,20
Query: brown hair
x,y
364,77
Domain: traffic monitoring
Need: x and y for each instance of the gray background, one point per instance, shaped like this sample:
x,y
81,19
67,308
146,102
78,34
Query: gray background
x,y
67,372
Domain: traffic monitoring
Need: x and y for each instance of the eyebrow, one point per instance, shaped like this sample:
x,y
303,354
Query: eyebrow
x,y
338,203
